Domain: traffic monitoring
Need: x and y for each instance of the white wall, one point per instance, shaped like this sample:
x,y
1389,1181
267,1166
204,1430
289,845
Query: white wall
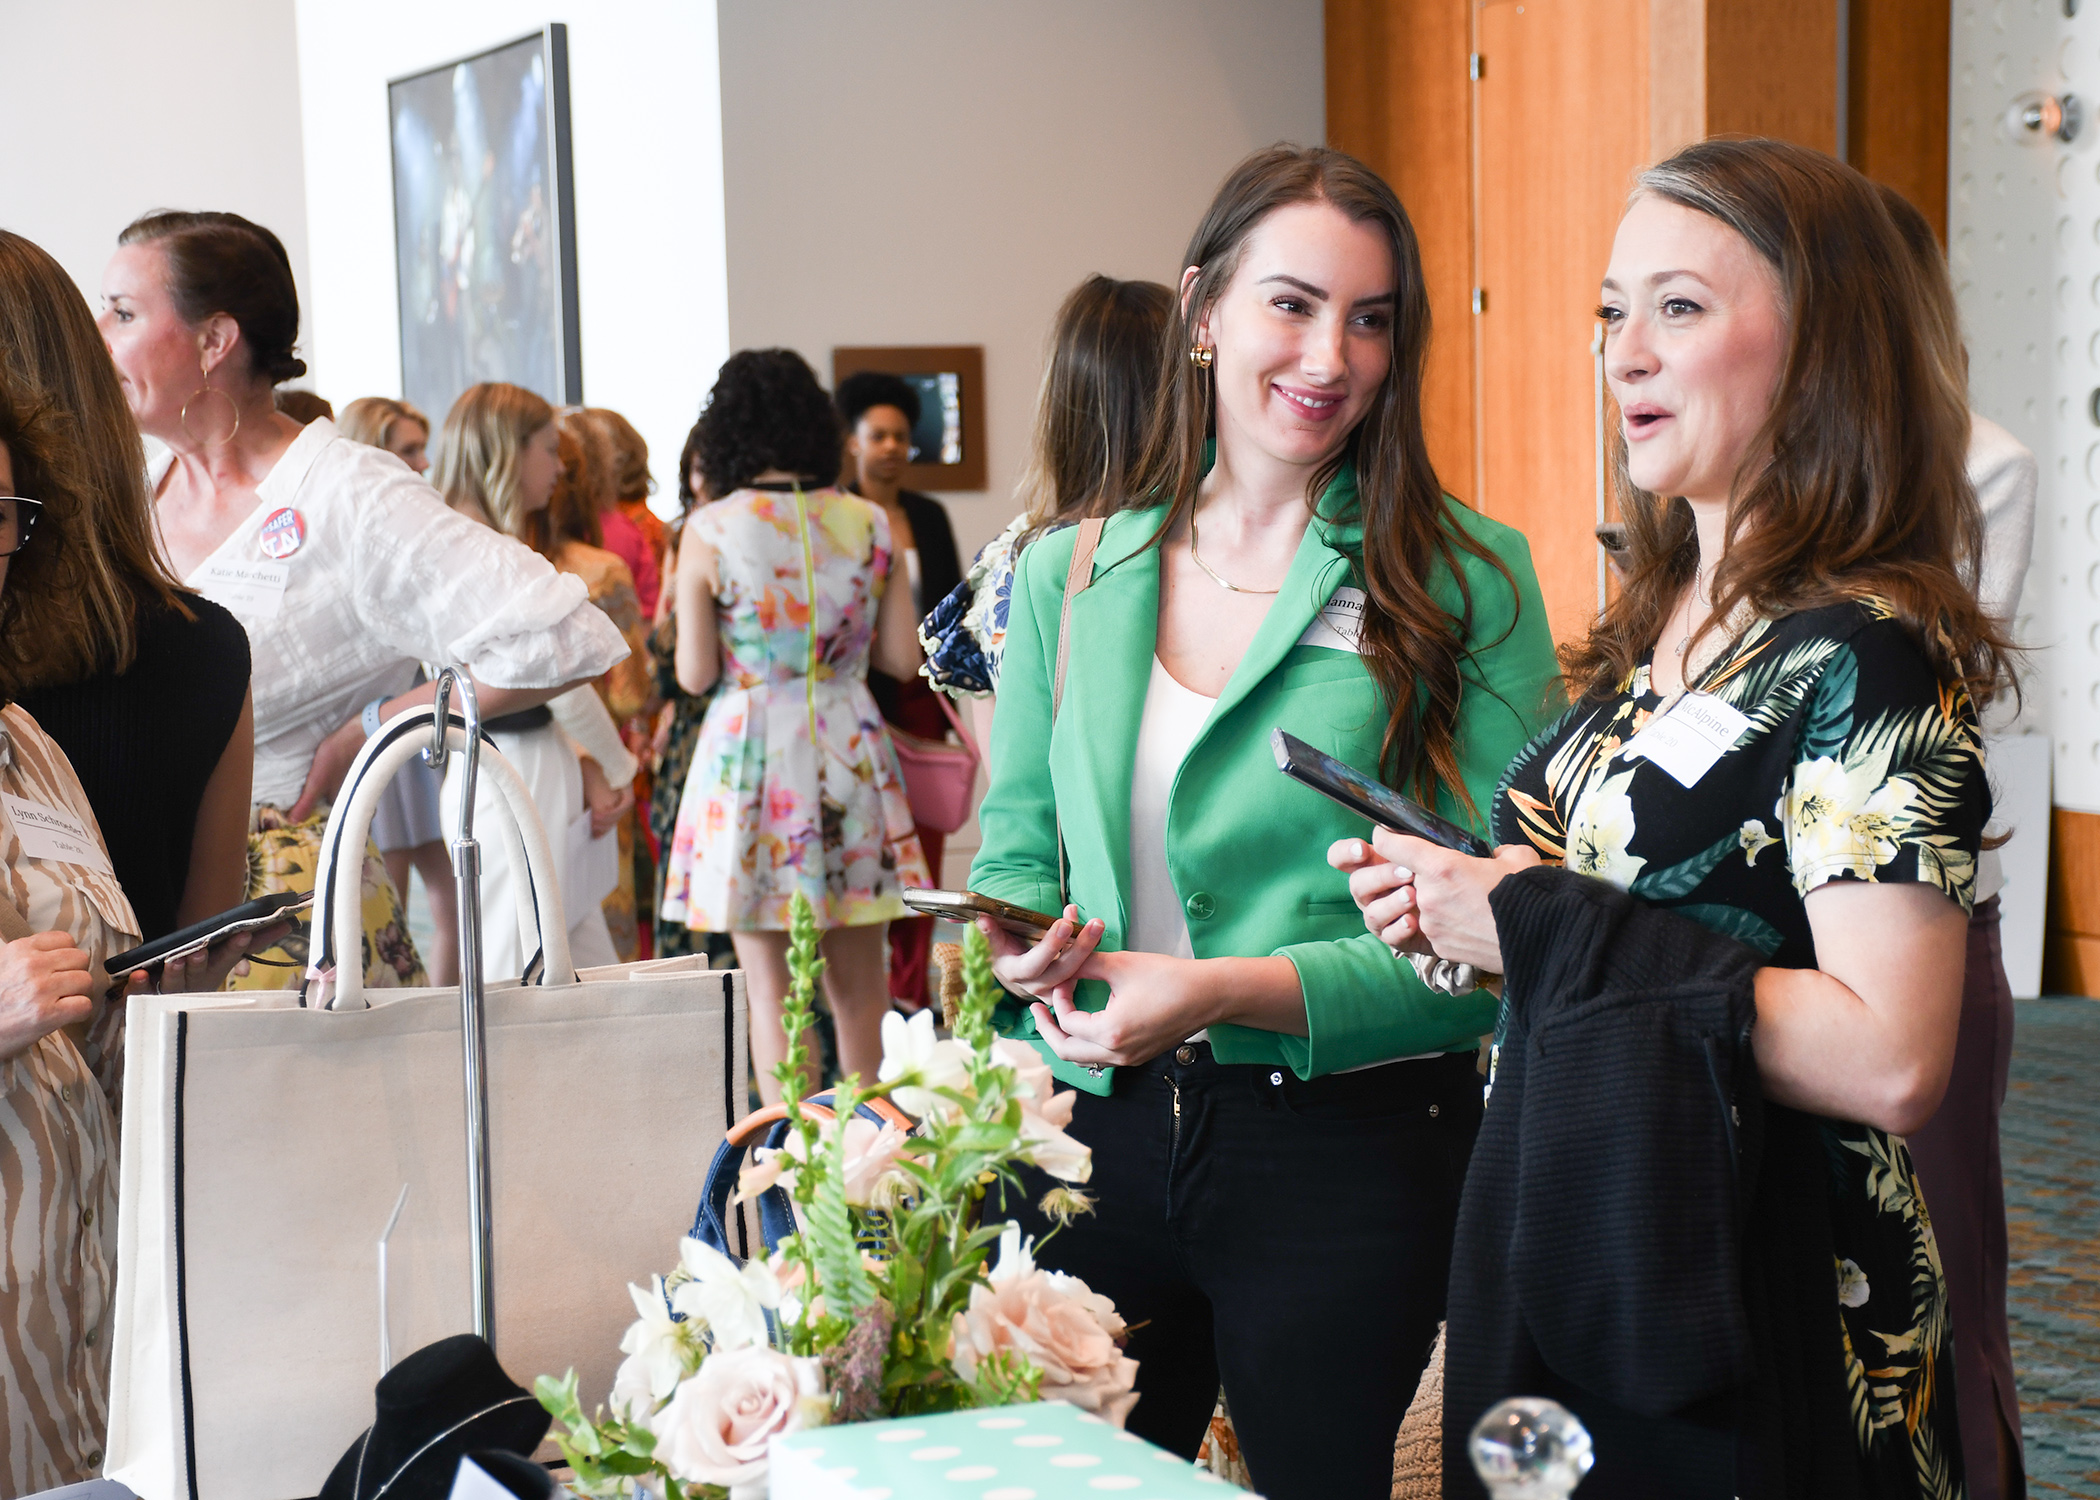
x,y
119,106
646,121
944,171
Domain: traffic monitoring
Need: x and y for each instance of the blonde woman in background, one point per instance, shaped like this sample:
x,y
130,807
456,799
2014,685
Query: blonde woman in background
x,y
498,463
631,529
407,827
346,570
394,426
567,533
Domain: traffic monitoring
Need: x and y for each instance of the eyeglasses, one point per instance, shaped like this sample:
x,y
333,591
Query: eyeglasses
x,y
18,515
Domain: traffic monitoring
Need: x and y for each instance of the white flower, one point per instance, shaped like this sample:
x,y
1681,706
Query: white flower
x,y
717,1426
1068,1331
1599,832
1844,816
872,1152
731,1300
1852,1285
911,1050
1755,840
1045,1113
655,1346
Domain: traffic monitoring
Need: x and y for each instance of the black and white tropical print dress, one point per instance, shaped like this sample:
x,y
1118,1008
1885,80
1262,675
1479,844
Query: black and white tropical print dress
x,y
1857,764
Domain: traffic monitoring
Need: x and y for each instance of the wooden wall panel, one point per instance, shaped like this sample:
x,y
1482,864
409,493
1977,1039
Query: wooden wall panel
x,y
1896,113
1564,125
2071,949
1396,97
1771,69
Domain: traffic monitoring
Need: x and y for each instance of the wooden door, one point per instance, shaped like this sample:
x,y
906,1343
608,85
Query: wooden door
x,y
1561,125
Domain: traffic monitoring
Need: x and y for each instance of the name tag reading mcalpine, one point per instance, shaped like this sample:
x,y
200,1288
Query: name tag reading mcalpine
x,y
246,586
1340,624
47,833
1686,739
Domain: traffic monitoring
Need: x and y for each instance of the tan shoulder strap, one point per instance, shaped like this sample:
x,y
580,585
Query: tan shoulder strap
x,y
1076,580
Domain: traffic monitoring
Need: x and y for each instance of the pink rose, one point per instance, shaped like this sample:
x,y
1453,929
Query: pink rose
x,y
872,1152
715,1429
1068,1331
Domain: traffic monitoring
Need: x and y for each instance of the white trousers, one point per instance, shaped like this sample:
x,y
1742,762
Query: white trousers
x,y
554,777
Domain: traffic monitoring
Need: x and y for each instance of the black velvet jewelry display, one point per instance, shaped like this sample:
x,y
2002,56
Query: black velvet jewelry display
x,y
446,1399
521,1476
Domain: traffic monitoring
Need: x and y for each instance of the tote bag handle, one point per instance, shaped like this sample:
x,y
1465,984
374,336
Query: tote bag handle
x,y
338,919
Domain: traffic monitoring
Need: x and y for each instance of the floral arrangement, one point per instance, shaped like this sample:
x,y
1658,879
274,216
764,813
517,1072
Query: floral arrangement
x,y
888,1302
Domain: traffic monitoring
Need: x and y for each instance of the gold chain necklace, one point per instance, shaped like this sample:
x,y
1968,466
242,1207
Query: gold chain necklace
x,y
1216,577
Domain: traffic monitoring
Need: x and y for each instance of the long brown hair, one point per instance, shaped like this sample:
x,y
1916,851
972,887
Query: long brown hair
x,y
1412,646
95,539
1856,484
1096,397
572,512
477,468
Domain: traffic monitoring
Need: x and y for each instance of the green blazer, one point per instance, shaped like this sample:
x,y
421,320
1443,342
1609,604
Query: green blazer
x,y
1247,848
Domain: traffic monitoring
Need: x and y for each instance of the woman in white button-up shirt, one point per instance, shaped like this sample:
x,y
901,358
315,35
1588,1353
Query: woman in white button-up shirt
x,y
345,568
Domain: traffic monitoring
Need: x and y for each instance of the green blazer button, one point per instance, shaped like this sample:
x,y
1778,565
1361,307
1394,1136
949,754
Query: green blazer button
x,y
1200,906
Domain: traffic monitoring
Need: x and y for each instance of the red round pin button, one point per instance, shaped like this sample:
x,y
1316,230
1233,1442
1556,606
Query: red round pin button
x,y
283,533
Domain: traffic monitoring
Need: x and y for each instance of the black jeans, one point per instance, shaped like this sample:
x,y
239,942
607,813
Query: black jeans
x,y
1290,1238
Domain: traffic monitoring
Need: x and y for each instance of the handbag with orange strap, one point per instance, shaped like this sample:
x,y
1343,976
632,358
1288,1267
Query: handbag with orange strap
x,y
776,1211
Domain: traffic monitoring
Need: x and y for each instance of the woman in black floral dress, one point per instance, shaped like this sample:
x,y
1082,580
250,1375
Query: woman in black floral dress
x,y
1774,732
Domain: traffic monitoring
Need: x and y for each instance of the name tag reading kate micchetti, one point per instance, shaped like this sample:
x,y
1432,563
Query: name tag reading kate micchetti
x,y
1688,736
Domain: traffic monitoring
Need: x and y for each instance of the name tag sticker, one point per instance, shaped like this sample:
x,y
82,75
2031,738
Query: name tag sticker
x,y
247,587
1340,624
1697,730
48,833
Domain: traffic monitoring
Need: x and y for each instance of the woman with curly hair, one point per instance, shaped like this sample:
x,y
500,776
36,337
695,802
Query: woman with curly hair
x,y
785,594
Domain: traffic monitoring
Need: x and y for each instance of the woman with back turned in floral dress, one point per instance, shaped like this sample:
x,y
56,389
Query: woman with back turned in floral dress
x,y
1790,454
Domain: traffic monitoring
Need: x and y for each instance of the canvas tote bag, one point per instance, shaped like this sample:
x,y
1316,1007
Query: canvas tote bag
x,y
265,1146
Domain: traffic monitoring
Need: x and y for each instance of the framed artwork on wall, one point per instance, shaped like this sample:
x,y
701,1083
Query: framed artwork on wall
x,y
485,224
948,442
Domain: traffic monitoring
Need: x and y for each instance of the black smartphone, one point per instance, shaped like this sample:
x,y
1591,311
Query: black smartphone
x,y
1371,800
968,906
249,916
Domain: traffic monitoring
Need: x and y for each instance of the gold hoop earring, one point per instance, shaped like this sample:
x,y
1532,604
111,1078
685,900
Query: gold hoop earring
x,y
1202,356
182,417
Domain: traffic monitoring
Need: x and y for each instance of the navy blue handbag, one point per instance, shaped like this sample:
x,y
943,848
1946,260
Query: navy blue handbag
x,y
776,1211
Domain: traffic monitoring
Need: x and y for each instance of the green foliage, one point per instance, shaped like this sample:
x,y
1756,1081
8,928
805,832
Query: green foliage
x,y
883,1328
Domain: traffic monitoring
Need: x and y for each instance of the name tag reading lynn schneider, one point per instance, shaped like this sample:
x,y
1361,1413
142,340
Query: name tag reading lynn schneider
x,y
1688,736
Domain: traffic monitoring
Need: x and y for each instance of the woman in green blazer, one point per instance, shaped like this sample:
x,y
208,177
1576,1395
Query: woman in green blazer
x,y
1281,1112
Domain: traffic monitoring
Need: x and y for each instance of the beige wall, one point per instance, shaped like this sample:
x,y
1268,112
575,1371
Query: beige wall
x,y
118,106
943,171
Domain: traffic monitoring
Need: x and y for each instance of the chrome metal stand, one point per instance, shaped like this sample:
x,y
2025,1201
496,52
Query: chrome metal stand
x,y
466,872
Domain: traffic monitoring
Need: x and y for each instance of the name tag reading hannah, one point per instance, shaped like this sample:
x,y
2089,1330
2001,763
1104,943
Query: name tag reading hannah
x,y
247,587
1339,626
48,833
1686,738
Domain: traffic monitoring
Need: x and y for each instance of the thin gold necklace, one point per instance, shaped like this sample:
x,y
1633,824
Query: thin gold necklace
x,y
1216,577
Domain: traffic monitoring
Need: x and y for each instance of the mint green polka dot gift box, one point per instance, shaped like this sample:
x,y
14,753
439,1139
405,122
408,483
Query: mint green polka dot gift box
x,y
1049,1451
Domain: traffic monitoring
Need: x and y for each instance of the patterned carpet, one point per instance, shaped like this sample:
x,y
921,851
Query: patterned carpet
x,y
2051,1141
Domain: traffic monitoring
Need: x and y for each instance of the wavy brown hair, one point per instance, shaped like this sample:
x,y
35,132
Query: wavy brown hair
x,y
1856,484
1413,647
1096,398
98,561
573,510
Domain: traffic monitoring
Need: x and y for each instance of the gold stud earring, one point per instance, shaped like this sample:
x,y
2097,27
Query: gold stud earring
x,y
1202,356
